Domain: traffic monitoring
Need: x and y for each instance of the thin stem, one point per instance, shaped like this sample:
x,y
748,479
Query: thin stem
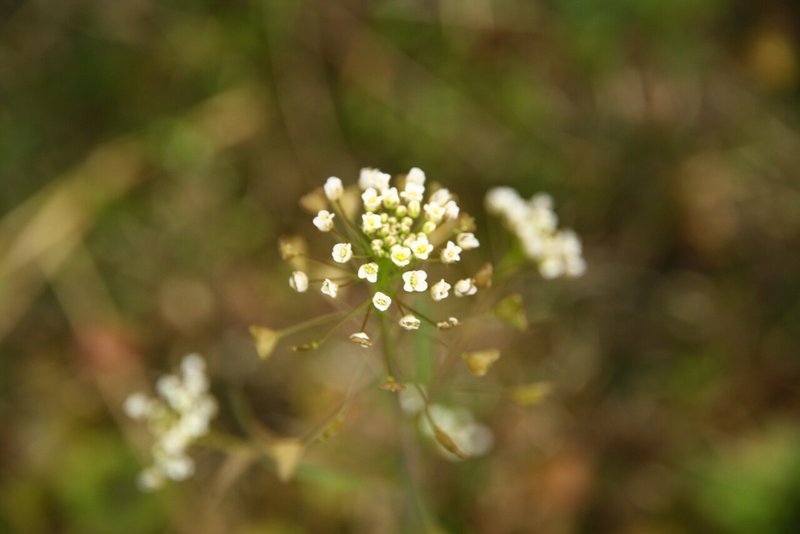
x,y
415,312
324,262
410,454
322,319
346,318
359,236
366,317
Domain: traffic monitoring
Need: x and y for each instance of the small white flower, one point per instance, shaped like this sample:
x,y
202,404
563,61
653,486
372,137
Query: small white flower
x,y
421,247
150,479
178,468
449,324
342,252
415,281
467,241
433,212
415,176
551,267
361,339
391,199
441,197
451,211
413,192
499,199
409,322
440,290
451,253
333,188
381,301
373,178
180,414
412,399
371,199
137,406
465,288
368,272
401,256
330,288
299,281
324,221
371,222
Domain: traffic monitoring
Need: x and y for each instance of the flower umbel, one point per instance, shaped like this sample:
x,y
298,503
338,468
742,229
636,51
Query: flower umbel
x,y
404,230
556,252
177,417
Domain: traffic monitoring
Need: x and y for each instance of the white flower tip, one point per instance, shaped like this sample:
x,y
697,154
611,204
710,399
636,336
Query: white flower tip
x,y
342,252
334,189
299,281
410,322
381,301
361,339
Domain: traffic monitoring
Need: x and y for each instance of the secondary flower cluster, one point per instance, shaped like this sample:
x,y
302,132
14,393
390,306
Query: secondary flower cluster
x,y
178,416
399,232
556,252
465,436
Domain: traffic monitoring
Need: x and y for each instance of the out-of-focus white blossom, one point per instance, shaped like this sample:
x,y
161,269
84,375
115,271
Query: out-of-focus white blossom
x,y
391,198
467,241
412,401
415,176
556,252
299,281
373,178
413,193
451,322
433,212
179,416
441,197
470,436
465,288
451,211
333,189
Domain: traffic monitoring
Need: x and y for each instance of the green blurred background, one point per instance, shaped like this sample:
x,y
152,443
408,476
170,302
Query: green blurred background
x,y
152,152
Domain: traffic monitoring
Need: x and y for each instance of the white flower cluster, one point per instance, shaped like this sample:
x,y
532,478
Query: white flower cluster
x,y
556,252
178,416
474,438
392,239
